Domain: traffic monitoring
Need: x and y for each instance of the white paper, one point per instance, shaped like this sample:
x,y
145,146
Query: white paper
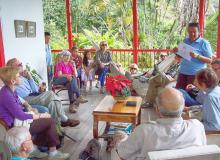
x,y
184,51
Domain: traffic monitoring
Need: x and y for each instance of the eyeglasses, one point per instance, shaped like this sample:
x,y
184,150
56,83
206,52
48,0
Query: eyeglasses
x,y
133,68
103,44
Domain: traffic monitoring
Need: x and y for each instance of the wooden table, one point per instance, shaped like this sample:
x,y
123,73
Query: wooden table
x,y
109,111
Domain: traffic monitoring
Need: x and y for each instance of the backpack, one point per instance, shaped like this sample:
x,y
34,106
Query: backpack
x,y
91,152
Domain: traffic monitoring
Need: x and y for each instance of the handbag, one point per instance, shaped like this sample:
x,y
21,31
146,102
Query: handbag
x,y
24,123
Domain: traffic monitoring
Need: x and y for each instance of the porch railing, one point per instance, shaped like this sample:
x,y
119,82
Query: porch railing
x,y
146,57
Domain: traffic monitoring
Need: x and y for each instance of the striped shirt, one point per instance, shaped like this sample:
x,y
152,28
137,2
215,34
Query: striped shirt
x,y
101,57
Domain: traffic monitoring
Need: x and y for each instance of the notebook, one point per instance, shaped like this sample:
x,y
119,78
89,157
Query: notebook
x,y
131,103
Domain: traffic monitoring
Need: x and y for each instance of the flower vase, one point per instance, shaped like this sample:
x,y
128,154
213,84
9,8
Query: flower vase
x,y
120,99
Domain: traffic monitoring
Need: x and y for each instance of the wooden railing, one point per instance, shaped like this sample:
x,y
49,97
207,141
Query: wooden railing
x,y
146,57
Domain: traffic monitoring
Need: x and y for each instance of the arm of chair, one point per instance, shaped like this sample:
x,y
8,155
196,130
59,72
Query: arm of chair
x,y
203,152
213,137
212,132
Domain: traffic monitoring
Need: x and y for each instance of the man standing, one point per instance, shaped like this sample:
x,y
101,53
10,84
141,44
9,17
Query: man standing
x,y
201,55
48,56
103,58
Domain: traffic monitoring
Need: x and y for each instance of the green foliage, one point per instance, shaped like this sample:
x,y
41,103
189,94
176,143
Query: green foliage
x,y
37,78
111,20
211,30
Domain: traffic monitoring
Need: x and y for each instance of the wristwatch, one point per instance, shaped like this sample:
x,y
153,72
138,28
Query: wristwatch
x,y
198,57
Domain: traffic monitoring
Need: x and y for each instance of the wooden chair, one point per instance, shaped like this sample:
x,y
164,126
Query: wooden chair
x,y
206,152
59,88
213,137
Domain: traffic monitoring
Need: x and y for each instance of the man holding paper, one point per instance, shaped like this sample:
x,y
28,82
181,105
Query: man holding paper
x,y
196,52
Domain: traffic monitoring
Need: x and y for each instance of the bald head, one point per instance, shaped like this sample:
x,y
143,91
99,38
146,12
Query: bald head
x,y
170,102
12,62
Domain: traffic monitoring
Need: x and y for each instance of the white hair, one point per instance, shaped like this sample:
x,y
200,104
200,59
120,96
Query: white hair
x,y
65,53
15,137
164,111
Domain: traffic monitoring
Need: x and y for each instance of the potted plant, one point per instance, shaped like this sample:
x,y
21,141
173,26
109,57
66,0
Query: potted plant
x,y
118,86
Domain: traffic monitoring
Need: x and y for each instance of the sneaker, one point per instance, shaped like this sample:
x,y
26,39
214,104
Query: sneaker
x,y
98,85
102,90
37,154
70,123
90,89
80,99
147,105
72,108
59,156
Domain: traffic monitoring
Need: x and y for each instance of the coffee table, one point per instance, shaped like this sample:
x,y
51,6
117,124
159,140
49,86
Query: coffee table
x,y
110,111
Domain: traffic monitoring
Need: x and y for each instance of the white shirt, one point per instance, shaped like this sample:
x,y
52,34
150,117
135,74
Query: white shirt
x,y
165,133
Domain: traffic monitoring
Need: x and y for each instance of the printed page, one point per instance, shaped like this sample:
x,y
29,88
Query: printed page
x,y
184,51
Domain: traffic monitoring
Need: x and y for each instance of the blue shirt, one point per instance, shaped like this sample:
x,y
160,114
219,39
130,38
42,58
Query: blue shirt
x,y
48,55
203,48
26,87
19,158
211,109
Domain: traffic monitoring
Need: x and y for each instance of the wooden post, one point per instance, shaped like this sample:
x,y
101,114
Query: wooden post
x,y
201,16
135,31
2,54
69,23
218,37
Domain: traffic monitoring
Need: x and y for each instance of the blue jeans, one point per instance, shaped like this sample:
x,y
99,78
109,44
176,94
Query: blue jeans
x,y
189,101
103,72
41,109
72,86
50,74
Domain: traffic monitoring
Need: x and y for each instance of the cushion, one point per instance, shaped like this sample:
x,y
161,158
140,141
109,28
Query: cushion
x,y
207,152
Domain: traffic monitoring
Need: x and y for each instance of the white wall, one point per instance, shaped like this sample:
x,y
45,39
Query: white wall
x,y
27,50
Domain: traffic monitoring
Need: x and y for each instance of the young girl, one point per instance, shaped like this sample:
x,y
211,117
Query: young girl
x,y
88,70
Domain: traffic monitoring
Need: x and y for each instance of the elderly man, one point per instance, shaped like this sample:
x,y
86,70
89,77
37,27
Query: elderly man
x,y
28,90
20,143
200,56
168,132
103,58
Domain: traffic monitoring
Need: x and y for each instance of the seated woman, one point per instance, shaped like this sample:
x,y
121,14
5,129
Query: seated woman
x,y
87,70
66,74
103,59
207,81
42,128
133,71
28,107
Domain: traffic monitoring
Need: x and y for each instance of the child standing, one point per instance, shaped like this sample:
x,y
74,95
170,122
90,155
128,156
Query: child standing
x,y
88,70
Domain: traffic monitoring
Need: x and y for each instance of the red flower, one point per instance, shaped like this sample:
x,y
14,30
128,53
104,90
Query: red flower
x,y
115,84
